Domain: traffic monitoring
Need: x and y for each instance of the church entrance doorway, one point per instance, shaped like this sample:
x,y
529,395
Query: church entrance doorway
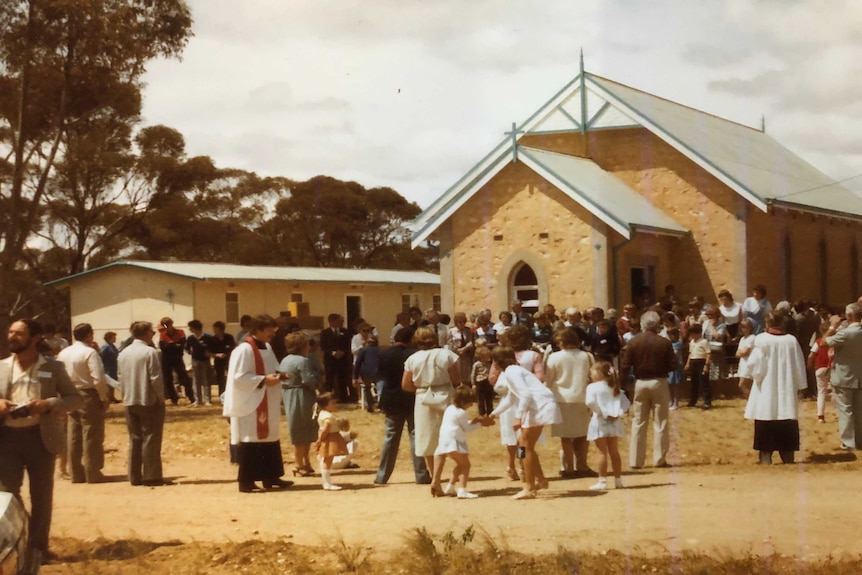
x,y
525,288
643,286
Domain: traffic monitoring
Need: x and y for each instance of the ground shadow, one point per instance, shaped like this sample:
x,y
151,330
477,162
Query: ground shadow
x,y
842,457
502,491
205,481
572,493
649,485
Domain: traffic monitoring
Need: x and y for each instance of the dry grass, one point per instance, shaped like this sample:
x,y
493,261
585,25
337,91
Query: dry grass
x,y
423,553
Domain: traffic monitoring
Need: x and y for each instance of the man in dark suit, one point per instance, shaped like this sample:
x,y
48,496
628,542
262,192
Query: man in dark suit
x,y
34,392
398,405
337,359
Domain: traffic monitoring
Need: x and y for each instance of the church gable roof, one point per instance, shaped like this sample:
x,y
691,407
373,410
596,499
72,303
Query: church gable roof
x,y
600,192
749,161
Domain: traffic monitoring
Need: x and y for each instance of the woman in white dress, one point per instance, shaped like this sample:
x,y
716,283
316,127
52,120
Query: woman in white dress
x,y
430,373
534,407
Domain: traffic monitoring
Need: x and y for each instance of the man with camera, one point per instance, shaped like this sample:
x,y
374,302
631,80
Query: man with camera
x,y
34,392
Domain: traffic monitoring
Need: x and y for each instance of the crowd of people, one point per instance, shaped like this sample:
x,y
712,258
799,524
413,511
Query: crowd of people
x,y
577,375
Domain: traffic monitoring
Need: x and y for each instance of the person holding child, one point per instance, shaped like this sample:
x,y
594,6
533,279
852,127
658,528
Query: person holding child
x,y
534,407
453,442
820,362
330,443
608,404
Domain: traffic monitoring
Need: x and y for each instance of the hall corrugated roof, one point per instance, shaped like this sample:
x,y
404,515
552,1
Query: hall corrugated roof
x,y
234,272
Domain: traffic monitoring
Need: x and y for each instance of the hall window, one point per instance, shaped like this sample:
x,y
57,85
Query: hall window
x,y
231,307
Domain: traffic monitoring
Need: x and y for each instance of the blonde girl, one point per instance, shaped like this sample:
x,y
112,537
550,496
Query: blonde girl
x,y
608,405
453,441
330,443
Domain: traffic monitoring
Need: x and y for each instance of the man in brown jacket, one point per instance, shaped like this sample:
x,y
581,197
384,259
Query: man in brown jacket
x,y
34,392
651,358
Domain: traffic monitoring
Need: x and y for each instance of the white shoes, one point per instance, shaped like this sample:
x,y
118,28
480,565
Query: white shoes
x,y
450,489
524,494
602,484
464,494
326,475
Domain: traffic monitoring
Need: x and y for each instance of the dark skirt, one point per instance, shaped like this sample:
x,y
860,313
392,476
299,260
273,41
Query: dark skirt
x,y
259,461
776,435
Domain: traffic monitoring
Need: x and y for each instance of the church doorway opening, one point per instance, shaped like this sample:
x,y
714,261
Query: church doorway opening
x,y
525,288
643,286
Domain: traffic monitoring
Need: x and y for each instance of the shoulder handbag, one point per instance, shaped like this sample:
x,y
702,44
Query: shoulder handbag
x,y
435,398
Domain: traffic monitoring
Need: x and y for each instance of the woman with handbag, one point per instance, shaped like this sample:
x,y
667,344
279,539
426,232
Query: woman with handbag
x,y
431,373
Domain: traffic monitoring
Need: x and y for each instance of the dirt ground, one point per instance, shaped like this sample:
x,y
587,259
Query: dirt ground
x,y
713,500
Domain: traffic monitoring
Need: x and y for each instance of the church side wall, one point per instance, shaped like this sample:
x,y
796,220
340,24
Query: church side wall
x,y
503,224
786,254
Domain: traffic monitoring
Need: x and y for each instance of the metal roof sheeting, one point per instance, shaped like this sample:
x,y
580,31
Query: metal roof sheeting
x,y
233,272
750,158
600,192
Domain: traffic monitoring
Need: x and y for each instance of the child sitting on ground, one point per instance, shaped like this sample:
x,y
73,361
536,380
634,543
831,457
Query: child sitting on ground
x,y
346,461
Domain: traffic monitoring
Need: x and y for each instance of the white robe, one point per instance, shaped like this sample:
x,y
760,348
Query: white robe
x,y
242,395
778,372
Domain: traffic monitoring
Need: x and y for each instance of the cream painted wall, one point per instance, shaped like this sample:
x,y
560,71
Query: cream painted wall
x,y
113,299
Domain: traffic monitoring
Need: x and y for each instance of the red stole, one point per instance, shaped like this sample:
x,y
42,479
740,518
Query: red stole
x,y
263,406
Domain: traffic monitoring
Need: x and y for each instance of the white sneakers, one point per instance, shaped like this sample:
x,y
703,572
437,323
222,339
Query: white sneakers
x,y
602,484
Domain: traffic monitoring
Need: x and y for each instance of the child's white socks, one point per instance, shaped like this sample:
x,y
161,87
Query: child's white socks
x,y
326,475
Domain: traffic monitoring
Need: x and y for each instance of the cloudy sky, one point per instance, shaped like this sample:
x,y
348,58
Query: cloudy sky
x,y
411,94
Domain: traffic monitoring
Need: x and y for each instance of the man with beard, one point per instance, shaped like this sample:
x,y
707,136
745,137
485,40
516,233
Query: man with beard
x,y
34,392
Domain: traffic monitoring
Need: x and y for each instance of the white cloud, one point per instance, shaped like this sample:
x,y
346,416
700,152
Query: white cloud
x,y
411,94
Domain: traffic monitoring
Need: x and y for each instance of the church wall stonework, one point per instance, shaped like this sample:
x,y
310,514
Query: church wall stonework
x,y
519,212
808,236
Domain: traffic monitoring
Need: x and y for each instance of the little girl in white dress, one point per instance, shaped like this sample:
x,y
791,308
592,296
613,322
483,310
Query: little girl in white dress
x,y
608,405
453,441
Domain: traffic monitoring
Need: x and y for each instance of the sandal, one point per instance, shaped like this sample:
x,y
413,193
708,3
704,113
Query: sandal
x,y
512,474
302,471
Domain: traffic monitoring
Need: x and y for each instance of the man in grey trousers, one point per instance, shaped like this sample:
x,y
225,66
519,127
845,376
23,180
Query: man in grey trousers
x,y
846,374
140,374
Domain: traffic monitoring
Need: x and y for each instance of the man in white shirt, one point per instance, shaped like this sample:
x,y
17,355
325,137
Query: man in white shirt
x,y
143,393
86,425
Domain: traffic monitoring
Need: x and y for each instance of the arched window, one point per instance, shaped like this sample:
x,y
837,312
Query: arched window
x,y
525,287
824,272
854,271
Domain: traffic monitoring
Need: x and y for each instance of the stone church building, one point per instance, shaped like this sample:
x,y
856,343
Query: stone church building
x,y
608,193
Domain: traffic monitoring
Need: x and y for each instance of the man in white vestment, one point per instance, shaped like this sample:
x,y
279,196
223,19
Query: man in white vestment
x,y
253,403
777,370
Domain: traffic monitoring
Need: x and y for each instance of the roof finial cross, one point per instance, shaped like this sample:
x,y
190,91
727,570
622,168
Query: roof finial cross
x,y
514,134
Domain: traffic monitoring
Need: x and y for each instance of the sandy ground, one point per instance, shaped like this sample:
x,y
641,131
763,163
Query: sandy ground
x,y
805,510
